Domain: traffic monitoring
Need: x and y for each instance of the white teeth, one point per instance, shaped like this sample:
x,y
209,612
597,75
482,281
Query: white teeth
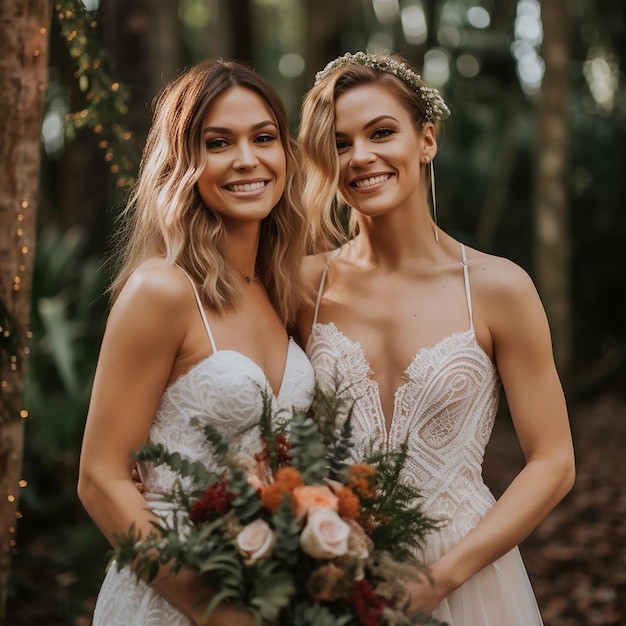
x,y
368,182
246,187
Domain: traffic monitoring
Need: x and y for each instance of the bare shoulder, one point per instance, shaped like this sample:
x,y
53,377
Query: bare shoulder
x,y
156,298
499,280
507,308
159,280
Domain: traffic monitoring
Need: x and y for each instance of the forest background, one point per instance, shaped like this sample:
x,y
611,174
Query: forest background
x,y
532,167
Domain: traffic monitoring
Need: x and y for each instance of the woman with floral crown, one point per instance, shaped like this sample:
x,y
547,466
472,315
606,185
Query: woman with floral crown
x,y
423,332
211,245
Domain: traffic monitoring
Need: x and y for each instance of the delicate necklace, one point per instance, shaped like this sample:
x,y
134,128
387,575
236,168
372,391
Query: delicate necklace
x,y
249,279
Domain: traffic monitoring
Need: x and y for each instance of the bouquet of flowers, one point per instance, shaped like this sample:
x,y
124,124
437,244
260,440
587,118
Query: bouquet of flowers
x,y
303,538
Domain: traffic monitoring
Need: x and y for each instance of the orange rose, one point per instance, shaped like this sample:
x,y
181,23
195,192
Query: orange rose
x,y
309,499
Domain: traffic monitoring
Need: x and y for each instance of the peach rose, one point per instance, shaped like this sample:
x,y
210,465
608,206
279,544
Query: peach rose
x,y
359,544
309,499
325,535
255,541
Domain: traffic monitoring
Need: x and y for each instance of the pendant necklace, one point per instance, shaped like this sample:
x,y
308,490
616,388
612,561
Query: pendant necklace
x,y
249,279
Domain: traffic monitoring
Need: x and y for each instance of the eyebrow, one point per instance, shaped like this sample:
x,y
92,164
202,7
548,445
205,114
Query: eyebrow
x,y
227,131
372,123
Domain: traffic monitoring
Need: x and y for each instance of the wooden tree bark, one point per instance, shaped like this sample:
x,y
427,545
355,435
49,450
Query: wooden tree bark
x,y
552,228
24,26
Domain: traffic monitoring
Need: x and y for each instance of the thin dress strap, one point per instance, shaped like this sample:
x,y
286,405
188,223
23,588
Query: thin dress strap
x,y
320,291
202,313
467,286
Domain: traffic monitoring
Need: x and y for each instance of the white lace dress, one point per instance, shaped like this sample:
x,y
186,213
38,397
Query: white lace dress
x,y
225,390
446,410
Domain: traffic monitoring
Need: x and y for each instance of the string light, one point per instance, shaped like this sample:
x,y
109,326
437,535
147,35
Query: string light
x,y
105,97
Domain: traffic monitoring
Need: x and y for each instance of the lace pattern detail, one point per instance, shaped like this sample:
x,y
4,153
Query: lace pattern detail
x,y
445,410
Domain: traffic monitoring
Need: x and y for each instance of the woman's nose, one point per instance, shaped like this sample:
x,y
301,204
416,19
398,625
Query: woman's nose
x,y
361,154
246,156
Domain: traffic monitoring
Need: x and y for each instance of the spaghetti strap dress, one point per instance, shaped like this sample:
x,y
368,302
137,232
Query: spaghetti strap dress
x,y
445,411
226,390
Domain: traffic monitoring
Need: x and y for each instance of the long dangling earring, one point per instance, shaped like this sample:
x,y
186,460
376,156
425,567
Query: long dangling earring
x,y
432,191
434,197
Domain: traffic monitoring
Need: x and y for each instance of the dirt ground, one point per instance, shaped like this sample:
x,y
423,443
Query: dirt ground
x,y
576,559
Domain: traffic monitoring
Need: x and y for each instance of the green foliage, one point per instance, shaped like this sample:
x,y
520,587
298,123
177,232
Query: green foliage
x,y
318,615
67,324
157,454
308,449
401,522
333,416
287,530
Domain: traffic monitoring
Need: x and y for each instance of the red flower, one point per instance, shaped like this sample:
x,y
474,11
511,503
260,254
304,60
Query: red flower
x,y
366,604
214,502
282,447
283,450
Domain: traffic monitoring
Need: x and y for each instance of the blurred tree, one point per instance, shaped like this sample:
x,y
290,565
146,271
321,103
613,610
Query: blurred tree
x,y
552,224
24,26
328,25
234,30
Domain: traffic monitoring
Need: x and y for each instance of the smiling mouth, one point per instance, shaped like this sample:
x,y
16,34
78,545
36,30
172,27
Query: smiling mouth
x,y
369,182
247,186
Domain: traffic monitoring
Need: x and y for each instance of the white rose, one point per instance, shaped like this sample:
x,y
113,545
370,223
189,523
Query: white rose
x,y
255,541
325,535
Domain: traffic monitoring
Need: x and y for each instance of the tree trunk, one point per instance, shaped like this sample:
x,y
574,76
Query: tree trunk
x,y
326,24
234,32
24,26
552,228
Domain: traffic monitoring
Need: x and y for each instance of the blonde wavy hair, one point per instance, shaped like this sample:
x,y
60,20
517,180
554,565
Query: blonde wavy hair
x,y
331,221
165,216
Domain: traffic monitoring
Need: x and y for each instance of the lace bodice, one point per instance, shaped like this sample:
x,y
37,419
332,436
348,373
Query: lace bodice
x,y
226,390
445,410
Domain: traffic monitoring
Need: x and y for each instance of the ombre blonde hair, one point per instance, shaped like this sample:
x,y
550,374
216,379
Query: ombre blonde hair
x,y
331,220
165,216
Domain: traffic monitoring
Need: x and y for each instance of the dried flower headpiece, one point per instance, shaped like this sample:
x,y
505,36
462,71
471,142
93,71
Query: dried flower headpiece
x,y
436,108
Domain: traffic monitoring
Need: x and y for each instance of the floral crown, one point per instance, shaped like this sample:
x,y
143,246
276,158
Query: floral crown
x,y
436,108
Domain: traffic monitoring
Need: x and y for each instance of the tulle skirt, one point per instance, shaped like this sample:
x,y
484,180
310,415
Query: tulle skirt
x,y
498,595
125,601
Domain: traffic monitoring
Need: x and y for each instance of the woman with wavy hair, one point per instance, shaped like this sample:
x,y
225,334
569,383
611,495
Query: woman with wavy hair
x,y
423,332
210,249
